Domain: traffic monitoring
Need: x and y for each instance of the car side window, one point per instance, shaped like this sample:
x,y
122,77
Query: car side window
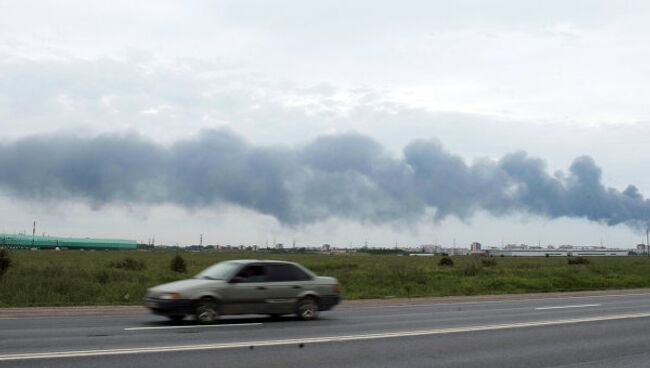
x,y
300,274
252,273
286,272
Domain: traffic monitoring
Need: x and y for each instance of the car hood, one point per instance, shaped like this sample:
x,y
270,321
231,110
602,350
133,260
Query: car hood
x,y
184,285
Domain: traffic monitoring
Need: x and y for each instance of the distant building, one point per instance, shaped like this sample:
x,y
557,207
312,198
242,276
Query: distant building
x,y
563,251
475,250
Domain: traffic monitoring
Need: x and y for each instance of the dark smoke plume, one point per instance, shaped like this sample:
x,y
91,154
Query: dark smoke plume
x,y
348,176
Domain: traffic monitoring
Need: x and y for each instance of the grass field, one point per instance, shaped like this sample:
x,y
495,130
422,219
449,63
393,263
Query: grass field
x,y
50,278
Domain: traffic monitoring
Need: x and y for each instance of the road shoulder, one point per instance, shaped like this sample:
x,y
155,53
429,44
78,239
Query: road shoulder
x,y
28,312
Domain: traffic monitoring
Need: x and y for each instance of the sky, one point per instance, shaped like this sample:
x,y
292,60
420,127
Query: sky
x,y
411,122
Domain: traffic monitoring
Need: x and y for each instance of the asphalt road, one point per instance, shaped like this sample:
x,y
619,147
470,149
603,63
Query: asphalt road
x,y
596,331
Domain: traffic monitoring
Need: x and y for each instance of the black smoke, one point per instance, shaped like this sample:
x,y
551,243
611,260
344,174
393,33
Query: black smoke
x,y
347,176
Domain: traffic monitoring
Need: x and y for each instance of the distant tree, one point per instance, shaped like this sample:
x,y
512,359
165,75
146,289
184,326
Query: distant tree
x,y
178,264
5,261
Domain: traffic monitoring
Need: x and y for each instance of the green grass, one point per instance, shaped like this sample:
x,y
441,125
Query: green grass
x,y
50,278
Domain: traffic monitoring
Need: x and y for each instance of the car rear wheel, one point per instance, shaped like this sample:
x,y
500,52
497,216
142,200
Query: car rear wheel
x,y
207,311
307,309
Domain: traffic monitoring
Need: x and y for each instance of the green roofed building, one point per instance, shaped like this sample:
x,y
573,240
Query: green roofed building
x,y
52,242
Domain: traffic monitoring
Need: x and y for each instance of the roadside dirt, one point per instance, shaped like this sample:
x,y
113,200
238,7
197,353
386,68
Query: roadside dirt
x,y
362,303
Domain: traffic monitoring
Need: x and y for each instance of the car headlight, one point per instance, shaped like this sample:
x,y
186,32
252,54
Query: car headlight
x,y
170,296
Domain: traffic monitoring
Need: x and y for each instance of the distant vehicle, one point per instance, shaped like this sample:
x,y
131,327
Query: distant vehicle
x,y
274,288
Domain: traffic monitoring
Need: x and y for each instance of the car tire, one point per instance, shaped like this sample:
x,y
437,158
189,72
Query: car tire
x,y
207,311
176,317
307,309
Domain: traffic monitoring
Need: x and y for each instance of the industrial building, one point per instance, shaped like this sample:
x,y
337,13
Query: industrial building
x,y
560,252
51,242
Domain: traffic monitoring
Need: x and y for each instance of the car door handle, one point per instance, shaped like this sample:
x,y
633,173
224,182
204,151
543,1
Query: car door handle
x,y
296,287
261,288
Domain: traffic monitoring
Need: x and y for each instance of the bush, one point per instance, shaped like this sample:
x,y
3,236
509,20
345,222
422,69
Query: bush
x,y
129,264
578,261
490,262
178,264
445,261
102,277
5,261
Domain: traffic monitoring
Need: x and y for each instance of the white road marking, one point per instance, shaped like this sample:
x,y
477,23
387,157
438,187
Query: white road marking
x,y
190,326
569,306
311,340
433,304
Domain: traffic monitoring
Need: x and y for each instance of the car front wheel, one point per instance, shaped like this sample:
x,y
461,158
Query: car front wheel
x,y
307,309
207,311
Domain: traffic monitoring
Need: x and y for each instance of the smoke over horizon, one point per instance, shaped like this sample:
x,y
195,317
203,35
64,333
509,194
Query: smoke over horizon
x,y
348,176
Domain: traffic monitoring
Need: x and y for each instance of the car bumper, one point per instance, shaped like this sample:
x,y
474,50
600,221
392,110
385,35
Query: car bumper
x,y
328,302
169,307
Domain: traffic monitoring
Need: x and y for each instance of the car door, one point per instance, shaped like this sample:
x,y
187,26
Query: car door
x,y
247,292
285,283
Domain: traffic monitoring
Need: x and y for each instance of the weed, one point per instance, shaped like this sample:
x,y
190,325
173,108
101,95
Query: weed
x,y
102,277
178,264
470,269
129,264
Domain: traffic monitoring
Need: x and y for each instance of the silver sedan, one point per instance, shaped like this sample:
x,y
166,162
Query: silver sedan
x,y
273,288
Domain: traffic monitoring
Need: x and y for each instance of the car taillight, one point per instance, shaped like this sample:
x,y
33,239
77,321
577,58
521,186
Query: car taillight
x,y
336,289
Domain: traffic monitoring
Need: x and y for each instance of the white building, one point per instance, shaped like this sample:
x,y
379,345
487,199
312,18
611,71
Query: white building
x,y
563,252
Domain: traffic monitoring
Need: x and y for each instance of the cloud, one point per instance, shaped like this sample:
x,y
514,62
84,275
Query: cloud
x,y
347,176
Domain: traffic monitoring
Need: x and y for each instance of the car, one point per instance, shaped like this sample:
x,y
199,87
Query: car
x,y
273,288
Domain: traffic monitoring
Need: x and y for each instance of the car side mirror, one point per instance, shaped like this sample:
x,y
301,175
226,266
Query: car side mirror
x,y
236,280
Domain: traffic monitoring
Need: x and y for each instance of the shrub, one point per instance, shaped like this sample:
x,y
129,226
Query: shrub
x,y
445,261
178,264
129,264
5,261
578,261
102,277
490,262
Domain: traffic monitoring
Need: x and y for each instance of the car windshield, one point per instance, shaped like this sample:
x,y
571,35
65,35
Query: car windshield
x,y
219,271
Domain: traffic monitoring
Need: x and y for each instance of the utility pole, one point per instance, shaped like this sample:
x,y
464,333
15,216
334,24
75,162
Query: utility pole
x,y
201,240
33,233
